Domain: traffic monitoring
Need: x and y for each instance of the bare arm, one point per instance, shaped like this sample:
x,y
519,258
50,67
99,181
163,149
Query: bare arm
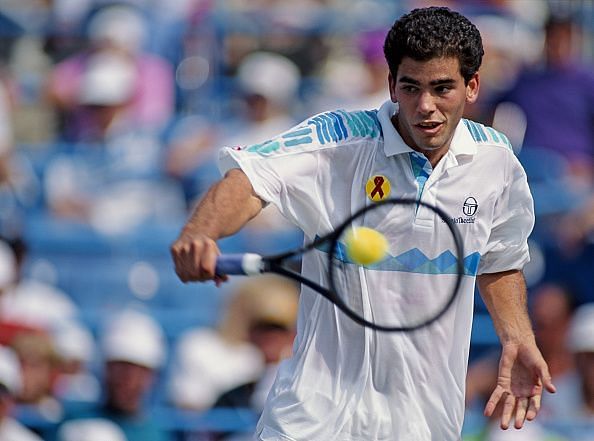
x,y
522,369
225,209
505,297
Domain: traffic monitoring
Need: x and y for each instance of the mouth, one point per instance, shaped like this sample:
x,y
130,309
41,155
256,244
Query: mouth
x,y
429,127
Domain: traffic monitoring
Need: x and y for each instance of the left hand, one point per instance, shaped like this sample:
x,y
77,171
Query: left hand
x,y
522,374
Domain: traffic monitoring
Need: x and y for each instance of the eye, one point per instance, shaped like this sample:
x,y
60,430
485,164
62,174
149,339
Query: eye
x,y
443,89
409,88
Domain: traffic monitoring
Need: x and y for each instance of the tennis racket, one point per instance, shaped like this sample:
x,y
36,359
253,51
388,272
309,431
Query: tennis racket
x,y
424,248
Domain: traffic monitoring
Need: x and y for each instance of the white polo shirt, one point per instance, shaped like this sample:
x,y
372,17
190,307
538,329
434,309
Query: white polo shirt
x,y
345,382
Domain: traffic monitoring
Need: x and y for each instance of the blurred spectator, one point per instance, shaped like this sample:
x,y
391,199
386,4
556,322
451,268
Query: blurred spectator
x,y
554,104
133,348
37,357
272,306
371,46
269,102
19,187
575,230
23,301
113,189
551,309
510,44
267,107
557,100
105,93
189,160
209,362
355,78
110,193
10,385
143,88
74,346
579,401
117,98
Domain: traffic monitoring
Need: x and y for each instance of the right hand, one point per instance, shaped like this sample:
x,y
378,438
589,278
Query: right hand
x,y
195,258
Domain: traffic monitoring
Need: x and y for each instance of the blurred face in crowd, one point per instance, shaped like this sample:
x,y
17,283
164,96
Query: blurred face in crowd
x,y
551,315
37,361
559,43
274,341
126,384
431,96
37,375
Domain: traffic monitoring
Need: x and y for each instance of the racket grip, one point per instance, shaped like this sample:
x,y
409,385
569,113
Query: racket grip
x,y
247,264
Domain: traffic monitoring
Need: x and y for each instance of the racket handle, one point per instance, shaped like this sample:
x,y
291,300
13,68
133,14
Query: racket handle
x,y
247,264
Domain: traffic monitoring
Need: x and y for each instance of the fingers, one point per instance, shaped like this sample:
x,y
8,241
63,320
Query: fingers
x,y
493,401
195,259
547,381
533,408
508,409
521,411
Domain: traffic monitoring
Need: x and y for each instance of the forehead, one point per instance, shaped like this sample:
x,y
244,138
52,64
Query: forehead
x,y
435,69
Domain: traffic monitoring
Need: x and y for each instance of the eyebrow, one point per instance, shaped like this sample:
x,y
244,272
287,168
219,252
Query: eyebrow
x,y
437,82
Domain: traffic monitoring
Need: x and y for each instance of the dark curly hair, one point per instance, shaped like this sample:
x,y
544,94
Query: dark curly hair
x,y
427,33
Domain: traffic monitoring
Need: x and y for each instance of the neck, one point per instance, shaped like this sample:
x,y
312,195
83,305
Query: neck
x,y
433,156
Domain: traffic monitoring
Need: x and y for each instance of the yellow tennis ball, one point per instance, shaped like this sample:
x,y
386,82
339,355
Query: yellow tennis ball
x,y
365,246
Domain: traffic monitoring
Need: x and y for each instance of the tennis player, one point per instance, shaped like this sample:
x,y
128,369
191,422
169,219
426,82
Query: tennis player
x,y
345,382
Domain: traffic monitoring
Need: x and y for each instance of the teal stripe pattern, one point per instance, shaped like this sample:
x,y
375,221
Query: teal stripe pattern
x,y
484,134
325,128
341,125
415,261
421,168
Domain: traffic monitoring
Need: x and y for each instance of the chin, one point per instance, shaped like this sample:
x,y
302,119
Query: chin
x,y
429,148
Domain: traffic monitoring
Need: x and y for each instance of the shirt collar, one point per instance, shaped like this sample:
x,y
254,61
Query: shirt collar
x,y
462,142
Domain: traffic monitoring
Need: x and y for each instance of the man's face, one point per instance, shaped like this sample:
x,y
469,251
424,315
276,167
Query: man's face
x,y
431,96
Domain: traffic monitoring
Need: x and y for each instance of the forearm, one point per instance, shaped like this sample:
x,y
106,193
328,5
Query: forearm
x,y
505,296
226,207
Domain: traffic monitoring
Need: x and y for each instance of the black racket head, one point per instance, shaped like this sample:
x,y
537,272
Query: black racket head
x,y
396,265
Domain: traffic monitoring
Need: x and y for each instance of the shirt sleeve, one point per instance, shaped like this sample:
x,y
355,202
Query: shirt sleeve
x,y
283,171
513,220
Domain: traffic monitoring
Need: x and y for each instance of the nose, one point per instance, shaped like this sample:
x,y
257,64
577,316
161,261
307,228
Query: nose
x,y
426,103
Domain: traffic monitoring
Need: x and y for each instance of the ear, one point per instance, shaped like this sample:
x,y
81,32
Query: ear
x,y
392,86
472,89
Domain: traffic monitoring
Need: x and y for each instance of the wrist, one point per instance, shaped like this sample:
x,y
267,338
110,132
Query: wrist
x,y
518,339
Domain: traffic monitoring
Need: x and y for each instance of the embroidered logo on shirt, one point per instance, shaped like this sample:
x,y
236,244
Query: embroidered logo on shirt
x,y
470,206
469,209
377,188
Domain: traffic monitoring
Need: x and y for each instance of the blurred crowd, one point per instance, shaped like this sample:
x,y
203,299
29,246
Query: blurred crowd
x,y
111,116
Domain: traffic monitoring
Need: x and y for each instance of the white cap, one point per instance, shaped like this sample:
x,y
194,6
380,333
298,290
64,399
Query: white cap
x,y
7,265
581,329
109,79
91,429
134,337
10,370
28,301
271,75
72,341
119,25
